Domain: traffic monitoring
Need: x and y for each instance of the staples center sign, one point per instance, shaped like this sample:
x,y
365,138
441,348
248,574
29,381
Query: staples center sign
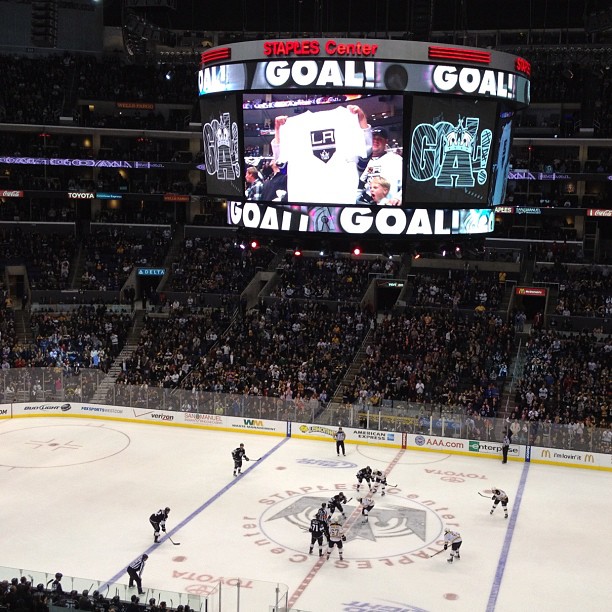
x,y
296,48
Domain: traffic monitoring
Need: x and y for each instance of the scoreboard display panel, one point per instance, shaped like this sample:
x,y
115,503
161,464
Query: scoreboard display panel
x,y
359,136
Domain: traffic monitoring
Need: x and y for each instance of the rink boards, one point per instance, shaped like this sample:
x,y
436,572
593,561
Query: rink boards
x,y
309,431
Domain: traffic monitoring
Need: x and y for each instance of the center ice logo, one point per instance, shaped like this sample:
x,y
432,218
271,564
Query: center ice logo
x,y
401,528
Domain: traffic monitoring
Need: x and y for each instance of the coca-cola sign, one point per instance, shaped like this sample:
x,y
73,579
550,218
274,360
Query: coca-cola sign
x,y
10,193
599,212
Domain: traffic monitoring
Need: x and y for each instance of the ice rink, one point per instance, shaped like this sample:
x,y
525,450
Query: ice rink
x,y
77,495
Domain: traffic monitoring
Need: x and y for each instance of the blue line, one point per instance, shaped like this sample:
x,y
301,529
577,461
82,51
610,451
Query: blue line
x,y
501,564
197,511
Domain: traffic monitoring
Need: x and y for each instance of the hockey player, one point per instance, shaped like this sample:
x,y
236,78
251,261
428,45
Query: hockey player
x,y
364,474
317,530
336,538
379,479
367,503
499,496
335,503
157,520
238,454
322,514
454,539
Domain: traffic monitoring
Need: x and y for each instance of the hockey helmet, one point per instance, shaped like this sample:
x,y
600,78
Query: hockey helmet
x,y
447,530
242,445
166,509
323,505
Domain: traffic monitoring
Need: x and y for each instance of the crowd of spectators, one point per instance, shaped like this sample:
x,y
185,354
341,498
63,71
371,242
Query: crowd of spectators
x,y
27,97
297,351
583,290
171,346
47,257
86,337
457,289
286,350
564,390
112,253
435,356
216,265
21,595
326,278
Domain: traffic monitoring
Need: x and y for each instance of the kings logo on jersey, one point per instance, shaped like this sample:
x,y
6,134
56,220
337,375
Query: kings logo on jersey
x,y
323,144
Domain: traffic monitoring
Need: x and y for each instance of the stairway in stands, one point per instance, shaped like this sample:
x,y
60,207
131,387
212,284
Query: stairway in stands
x,y
353,369
23,328
130,346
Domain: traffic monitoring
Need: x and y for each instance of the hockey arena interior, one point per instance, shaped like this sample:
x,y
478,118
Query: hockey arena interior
x,y
306,306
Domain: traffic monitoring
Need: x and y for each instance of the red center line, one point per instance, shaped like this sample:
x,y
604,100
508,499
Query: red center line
x,y
347,525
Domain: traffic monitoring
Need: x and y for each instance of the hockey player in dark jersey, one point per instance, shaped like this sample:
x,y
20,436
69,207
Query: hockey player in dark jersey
x,y
335,503
157,520
364,474
318,529
238,454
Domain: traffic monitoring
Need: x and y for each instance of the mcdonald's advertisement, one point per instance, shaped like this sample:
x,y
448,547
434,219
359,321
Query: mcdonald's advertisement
x,y
571,458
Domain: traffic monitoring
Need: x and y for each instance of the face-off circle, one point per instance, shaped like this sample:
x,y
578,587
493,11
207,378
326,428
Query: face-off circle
x,y
49,446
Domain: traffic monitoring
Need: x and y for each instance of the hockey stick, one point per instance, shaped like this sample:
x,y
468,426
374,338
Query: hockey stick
x,y
481,495
440,551
175,543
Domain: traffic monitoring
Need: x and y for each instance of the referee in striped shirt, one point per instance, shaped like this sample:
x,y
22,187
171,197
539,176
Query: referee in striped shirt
x,y
134,570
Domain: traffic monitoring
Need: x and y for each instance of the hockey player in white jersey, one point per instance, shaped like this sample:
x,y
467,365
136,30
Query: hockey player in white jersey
x,y
367,503
499,496
452,538
380,480
336,538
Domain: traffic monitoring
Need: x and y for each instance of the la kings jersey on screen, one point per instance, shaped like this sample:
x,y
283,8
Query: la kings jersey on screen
x,y
322,150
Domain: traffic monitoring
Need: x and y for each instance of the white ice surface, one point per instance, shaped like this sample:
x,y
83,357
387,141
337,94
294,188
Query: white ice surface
x,y
77,494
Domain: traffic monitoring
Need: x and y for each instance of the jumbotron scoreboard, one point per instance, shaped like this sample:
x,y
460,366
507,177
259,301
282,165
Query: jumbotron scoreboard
x,y
360,136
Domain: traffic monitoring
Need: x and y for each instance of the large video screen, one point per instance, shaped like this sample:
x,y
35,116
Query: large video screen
x,y
449,151
323,149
